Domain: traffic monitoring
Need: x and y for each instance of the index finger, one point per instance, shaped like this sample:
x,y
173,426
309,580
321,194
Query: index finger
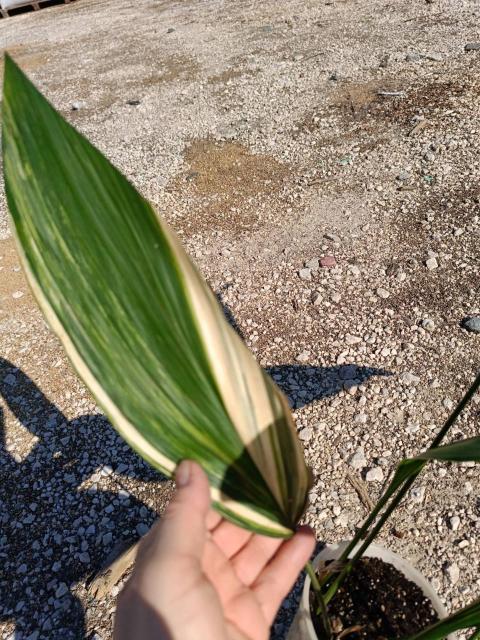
x,y
280,574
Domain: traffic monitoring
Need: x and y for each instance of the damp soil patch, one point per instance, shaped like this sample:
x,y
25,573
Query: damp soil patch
x,y
378,602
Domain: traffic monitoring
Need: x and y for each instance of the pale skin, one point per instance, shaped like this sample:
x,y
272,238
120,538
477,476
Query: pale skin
x,y
199,576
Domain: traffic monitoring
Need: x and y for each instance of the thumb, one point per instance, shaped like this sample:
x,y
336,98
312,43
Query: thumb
x,y
183,526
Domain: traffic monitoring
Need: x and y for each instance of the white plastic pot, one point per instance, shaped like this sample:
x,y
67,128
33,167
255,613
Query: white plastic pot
x,y
302,626
12,4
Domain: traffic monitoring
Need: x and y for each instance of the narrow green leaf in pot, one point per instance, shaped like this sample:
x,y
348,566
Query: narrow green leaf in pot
x,y
139,323
467,450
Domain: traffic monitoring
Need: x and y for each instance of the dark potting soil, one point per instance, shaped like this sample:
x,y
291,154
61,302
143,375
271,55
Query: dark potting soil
x,y
377,602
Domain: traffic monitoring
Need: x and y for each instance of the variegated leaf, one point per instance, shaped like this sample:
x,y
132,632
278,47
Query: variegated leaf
x,y
139,323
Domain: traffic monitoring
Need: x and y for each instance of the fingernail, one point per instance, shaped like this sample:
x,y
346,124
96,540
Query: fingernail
x,y
182,475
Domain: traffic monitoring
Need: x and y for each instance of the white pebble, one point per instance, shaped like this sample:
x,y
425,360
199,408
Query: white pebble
x,y
375,475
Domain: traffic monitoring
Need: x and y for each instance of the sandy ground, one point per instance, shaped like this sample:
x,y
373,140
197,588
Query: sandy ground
x,y
270,135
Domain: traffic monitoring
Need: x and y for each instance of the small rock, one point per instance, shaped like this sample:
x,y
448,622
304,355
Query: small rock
x,y
328,262
375,474
10,379
351,340
472,46
303,357
428,324
107,538
434,56
336,297
226,133
312,264
305,434
170,30
417,494
106,470
348,372
78,104
133,103
382,293
448,403
384,61
342,520
454,523
404,176
17,294
431,264
452,571
333,237
305,274
361,418
472,324
316,298
142,528
84,557
412,428
62,589
358,460
409,378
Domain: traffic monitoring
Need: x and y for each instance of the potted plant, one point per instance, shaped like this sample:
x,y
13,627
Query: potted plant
x,y
358,589
150,340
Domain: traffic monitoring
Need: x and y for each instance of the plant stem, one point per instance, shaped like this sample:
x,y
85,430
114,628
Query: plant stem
x,y
394,501
321,606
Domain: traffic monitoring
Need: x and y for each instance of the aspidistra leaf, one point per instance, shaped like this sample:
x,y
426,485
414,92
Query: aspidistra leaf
x,y
139,323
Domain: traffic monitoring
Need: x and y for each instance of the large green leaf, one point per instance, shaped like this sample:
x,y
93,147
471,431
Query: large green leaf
x,y
140,324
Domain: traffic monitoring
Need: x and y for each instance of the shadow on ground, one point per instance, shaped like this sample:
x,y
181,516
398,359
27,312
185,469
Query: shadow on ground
x,y
304,384
54,533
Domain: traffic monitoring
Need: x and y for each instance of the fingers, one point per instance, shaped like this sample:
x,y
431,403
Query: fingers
x,y
213,519
230,538
279,576
219,571
249,562
182,529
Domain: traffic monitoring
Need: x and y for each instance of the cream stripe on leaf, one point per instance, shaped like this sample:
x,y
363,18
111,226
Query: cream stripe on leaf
x,y
140,324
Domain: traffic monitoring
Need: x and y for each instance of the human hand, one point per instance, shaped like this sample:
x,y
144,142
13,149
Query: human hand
x,y
200,577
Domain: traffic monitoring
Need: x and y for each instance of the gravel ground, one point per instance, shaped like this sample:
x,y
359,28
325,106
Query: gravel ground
x,y
320,162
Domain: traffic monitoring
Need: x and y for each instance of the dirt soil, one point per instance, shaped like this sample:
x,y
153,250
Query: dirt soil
x,y
377,602
270,135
